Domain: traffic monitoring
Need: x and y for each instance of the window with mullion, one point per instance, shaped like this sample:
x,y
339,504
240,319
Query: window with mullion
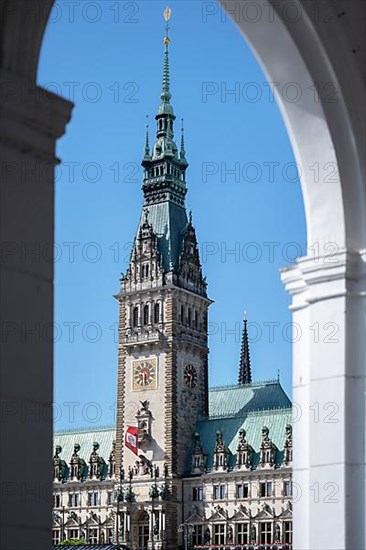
x,y
219,533
93,536
266,532
287,531
242,533
197,535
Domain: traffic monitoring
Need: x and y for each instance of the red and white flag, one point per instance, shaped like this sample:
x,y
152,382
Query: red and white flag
x,y
131,438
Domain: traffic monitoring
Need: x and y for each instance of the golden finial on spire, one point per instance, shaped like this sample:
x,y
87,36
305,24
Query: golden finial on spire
x,y
167,13
167,16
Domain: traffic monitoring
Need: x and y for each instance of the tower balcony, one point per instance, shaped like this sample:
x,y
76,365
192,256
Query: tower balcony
x,y
139,335
193,336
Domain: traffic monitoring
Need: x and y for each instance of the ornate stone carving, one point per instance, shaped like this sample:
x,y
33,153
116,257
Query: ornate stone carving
x,y
221,453
267,450
144,419
244,452
198,455
112,461
288,445
59,465
77,465
96,463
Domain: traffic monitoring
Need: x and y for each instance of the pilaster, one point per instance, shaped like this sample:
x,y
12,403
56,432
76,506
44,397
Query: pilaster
x,y
329,394
31,121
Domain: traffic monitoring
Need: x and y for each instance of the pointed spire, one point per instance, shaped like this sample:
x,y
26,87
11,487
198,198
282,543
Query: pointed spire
x,y
165,93
147,155
245,373
182,146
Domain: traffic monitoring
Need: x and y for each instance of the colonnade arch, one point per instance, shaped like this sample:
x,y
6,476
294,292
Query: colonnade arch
x,y
312,51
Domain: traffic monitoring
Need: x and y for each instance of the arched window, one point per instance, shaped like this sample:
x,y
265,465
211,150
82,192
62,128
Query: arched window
x,y
157,313
189,317
135,316
146,315
182,314
196,319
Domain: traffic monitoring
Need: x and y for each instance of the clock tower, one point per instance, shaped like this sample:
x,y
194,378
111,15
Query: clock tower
x,y
163,351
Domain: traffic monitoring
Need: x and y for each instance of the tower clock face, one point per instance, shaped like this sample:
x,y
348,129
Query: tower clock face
x,y
144,374
190,376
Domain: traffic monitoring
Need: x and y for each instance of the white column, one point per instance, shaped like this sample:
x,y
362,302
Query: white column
x,y
31,120
329,400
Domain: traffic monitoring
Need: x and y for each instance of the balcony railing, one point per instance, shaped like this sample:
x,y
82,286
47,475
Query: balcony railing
x,y
141,337
272,546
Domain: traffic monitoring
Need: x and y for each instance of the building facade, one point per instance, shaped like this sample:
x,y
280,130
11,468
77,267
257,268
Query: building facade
x,y
185,466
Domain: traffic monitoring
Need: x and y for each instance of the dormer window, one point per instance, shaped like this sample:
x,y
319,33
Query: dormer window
x,y
221,452
267,450
145,271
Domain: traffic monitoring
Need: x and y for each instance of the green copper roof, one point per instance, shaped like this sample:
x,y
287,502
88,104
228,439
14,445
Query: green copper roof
x,y
249,407
231,408
85,437
252,423
169,222
230,400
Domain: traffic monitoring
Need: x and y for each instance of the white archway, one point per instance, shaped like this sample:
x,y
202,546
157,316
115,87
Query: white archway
x,y
293,44
297,42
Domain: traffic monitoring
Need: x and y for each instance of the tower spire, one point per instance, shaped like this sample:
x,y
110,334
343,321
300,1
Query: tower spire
x,y
164,185
245,373
165,93
147,144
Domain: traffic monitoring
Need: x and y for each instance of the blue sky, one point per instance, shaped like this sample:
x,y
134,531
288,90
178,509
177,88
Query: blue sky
x,y
242,186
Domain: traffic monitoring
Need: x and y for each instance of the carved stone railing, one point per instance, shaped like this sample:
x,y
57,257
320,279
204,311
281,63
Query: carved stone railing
x,y
273,546
142,337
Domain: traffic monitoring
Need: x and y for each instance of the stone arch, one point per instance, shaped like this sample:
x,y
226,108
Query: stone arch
x,y
313,52
318,52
